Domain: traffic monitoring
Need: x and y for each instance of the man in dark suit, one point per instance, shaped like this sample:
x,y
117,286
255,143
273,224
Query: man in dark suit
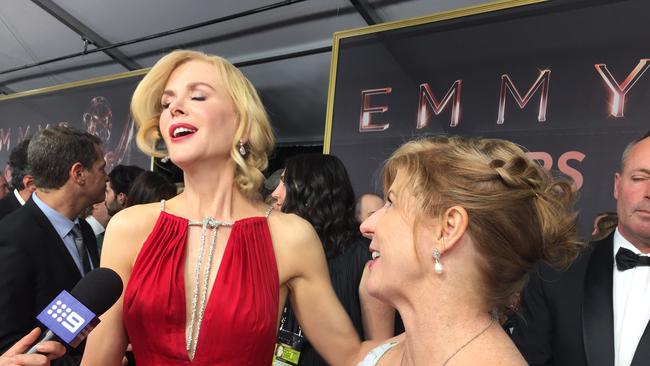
x,y
44,247
22,183
598,311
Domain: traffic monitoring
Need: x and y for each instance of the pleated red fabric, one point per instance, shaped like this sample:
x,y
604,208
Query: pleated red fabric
x,y
240,319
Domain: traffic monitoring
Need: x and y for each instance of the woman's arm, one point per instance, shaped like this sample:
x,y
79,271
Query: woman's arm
x,y
124,236
318,310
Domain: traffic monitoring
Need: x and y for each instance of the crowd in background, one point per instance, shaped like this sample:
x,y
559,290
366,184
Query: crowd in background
x,y
474,246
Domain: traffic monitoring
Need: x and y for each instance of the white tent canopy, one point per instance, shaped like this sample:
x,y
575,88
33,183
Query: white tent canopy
x,y
284,47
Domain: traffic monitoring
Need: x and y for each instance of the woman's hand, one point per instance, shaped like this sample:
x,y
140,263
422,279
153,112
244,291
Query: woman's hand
x,y
49,350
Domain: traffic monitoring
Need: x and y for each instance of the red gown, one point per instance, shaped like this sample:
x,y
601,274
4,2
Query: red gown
x,y
240,319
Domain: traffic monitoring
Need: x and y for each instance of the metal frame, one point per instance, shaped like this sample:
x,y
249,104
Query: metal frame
x,y
367,12
108,47
85,32
74,84
361,6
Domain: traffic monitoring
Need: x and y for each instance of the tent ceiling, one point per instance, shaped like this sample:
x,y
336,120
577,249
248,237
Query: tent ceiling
x,y
294,89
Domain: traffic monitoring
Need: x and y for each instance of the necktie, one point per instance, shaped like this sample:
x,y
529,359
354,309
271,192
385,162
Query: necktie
x,y
81,247
626,259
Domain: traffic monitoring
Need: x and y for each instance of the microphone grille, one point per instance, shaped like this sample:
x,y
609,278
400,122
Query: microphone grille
x,y
98,290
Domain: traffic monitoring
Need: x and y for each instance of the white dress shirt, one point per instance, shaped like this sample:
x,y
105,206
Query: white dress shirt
x,y
19,197
631,305
97,227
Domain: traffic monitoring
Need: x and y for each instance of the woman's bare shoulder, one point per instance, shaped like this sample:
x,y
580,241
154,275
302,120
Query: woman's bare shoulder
x,y
135,218
291,229
128,229
298,250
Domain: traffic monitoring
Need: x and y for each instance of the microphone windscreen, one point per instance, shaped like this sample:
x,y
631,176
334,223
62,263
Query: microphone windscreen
x,y
98,290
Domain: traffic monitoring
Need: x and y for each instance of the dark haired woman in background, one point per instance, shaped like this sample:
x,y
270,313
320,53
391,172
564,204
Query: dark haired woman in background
x,y
150,187
317,188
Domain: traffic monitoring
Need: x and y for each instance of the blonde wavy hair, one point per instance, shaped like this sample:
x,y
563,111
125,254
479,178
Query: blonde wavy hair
x,y
253,120
518,214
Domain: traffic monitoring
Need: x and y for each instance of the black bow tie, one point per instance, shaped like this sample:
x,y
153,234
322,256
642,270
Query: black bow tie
x,y
626,259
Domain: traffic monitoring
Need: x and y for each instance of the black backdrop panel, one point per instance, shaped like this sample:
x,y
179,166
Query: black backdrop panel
x,y
542,56
101,108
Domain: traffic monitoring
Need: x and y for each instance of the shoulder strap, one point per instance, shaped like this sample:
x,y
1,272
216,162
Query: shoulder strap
x,y
268,211
373,357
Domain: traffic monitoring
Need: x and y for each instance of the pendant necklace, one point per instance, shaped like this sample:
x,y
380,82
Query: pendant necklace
x,y
198,305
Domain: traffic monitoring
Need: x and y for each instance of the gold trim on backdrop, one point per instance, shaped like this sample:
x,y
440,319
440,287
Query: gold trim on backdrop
x,y
330,97
435,17
75,84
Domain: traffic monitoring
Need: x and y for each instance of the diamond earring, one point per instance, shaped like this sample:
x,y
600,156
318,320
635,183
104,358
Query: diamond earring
x,y
438,266
242,149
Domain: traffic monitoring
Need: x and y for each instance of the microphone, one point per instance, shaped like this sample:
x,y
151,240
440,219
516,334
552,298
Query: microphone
x,y
71,316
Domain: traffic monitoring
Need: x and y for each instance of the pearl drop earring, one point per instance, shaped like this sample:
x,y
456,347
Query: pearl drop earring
x,y
242,149
438,266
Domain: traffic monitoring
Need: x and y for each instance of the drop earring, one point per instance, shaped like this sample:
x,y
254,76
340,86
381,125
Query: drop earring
x,y
242,149
438,266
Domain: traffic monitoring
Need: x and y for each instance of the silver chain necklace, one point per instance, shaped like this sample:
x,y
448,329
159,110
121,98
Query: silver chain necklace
x,y
464,345
195,324
470,341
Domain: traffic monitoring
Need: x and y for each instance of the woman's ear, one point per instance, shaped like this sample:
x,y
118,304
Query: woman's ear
x,y
453,225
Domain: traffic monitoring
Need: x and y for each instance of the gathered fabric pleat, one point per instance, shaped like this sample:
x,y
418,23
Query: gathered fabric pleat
x,y
240,317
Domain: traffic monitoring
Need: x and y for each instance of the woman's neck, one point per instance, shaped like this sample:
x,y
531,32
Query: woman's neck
x,y
211,191
435,325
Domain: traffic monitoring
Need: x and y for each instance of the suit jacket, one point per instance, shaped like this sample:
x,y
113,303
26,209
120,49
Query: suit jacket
x,y
35,266
8,204
568,318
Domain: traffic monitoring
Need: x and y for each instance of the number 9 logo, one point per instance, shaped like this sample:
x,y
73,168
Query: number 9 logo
x,y
73,322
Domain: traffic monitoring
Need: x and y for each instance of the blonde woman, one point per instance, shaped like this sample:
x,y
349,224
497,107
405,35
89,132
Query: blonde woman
x,y
466,219
207,272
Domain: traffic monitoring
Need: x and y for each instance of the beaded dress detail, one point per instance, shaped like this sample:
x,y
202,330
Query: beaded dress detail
x,y
234,325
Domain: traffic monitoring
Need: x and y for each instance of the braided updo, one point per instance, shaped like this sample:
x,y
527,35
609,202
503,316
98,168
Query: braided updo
x,y
518,215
